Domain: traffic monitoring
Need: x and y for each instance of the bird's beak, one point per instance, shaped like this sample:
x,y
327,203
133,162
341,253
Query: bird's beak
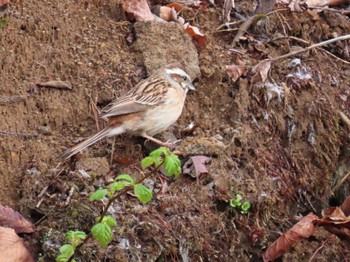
x,y
191,86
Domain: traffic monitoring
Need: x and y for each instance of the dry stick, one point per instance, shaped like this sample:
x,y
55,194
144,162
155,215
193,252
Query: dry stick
x,y
340,38
309,43
110,202
246,25
344,118
327,42
18,134
11,99
244,28
340,183
343,12
318,249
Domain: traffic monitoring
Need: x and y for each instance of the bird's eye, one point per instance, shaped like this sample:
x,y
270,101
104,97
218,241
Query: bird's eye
x,y
184,78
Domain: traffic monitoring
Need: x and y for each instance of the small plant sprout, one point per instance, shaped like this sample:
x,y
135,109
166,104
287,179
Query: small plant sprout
x,y
102,230
237,204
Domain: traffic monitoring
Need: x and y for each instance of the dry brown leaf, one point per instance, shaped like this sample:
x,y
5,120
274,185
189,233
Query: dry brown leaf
x,y
294,5
337,220
197,164
303,229
335,216
12,248
139,9
345,207
322,3
261,70
4,2
178,7
167,13
13,219
198,37
235,71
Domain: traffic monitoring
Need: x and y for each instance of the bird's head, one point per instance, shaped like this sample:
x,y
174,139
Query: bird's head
x,y
179,76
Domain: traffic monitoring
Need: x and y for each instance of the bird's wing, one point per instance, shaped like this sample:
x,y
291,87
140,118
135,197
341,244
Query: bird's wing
x,y
148,93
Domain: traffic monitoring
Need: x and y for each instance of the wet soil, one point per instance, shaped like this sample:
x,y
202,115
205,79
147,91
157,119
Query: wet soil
x,y
280,144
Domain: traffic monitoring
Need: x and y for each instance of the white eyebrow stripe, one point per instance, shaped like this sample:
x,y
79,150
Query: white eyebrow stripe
x,y
177,71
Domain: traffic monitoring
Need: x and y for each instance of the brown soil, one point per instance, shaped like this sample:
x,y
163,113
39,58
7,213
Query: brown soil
x,y
282,154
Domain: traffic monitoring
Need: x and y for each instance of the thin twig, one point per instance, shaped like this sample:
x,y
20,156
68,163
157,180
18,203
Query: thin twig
x,y
71,191
340,183
344,118
244,28
228,25
309,43
318,249
340,38
327,42
343,12
18,134
11,99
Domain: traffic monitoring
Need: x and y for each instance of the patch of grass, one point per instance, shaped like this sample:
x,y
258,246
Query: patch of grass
x,y
4,21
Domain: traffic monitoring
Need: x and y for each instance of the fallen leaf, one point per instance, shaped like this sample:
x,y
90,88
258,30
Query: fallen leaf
x,y
167,13
196,34
293,5
336,219
123,160
261,70
139,9
235,71
345,207
335,216
303,229
178,7
12,248
12,219
4,2
196,164
322,3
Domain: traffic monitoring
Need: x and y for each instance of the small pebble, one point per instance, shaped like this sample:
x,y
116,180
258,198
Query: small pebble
x,y
218,137
45,130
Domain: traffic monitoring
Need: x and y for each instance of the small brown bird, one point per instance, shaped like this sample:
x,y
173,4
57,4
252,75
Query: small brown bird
x,y
148,109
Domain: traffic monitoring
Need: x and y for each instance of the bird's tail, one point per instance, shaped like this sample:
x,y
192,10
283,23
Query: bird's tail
x,y
86,143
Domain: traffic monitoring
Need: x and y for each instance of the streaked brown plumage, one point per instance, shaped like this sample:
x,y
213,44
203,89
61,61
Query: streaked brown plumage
x,y
149,108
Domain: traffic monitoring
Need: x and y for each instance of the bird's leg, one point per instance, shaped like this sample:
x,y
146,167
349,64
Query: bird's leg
x,y
112,153
157,141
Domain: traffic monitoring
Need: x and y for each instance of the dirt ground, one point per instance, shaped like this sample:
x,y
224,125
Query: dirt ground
x,y
281,145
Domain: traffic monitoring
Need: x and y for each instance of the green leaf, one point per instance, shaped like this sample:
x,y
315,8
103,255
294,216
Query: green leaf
x,y
159,152
143,193
234,203
147,161
172,165
67,251
62,258
102,233
110,221
98,194
116,186
3,22
75,237
245,206
125,177
238,198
